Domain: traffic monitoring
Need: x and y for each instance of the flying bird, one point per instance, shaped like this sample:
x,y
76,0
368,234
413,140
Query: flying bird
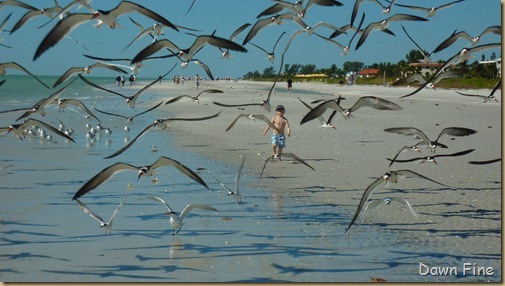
x,y
280,157
129,119
385,9
370,101
431,158
430,11
430,82
107,173
64,102
388,177
106,225
86,69
19,129
253,117
473,40
67,24
297,7
412,131
194,98
324,123
235,193
163,124
485,98
175,219
270,55
381,25
387,201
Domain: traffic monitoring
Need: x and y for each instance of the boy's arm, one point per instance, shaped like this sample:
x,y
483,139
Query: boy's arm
x,y
288,128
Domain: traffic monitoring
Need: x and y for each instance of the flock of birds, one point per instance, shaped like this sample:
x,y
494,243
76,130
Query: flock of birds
x,y
66,20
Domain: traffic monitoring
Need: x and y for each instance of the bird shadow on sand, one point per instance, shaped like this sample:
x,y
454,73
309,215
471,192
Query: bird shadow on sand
x,y
294,270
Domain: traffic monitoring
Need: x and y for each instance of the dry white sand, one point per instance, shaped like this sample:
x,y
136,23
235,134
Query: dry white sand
x,y
464,219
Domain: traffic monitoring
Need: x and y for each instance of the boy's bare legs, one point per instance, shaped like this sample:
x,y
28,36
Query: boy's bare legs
x,y
274,149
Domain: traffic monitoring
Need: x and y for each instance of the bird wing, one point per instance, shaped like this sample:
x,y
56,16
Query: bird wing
x,y
35,122
99,87
188,208
448,74
235,105
205,67
145,88
260,24
113,114
274,9
310,108
412,174
375,102
62,28
164,161
269,159
296,158
237,177
320,110
409,131
238,31
177,98
235,121
355,10
372,187
413,77
140,35
83,107
193,119
209,91
154,48
150,109
369,205
461,153
409,207
148,128
485,162
127,7
117,210
25,18
102,177
158,199
491,29
112,67
221,183
456,131
87,210
14,65
397,154
200,41
372,26
450,40
66,75
264,118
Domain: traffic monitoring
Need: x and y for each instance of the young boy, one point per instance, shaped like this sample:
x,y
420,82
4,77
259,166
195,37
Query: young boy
x,y
278,138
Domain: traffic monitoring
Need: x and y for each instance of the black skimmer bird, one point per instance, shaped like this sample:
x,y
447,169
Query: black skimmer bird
x,y
130,100
412,131
388,177
107,173
346,49
16,3
188,53
253,117
19,129
426,54
106,225
226,53
430,82
163,124
387,201
385,9
405,149
381,25
465,55
176,219
473,40
297,7
87,69
485,98
264,103
33,12
270,55
324,123
430,11
129,119
431,158
280,157
273,20
64,102
67,24
38,108
194,98
235,193
65,10
370,101
16,66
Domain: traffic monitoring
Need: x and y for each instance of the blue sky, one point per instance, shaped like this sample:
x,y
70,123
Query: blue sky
x,y
472,16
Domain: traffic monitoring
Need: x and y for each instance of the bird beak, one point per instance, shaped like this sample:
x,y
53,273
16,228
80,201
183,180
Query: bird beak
x,y
140,175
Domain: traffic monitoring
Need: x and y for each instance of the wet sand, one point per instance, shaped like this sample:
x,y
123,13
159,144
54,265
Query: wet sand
x,y
292,222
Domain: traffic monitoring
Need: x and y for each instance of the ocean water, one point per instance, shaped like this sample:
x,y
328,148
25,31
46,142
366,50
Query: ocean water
x,y
284,237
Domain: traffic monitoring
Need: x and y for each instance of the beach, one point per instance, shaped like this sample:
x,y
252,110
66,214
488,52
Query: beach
x,y
291,224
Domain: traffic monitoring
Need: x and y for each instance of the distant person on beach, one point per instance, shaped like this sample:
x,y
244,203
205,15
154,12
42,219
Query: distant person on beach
x,y
118,80
197,81
279,138
132,80
160,77
290,85
122,80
